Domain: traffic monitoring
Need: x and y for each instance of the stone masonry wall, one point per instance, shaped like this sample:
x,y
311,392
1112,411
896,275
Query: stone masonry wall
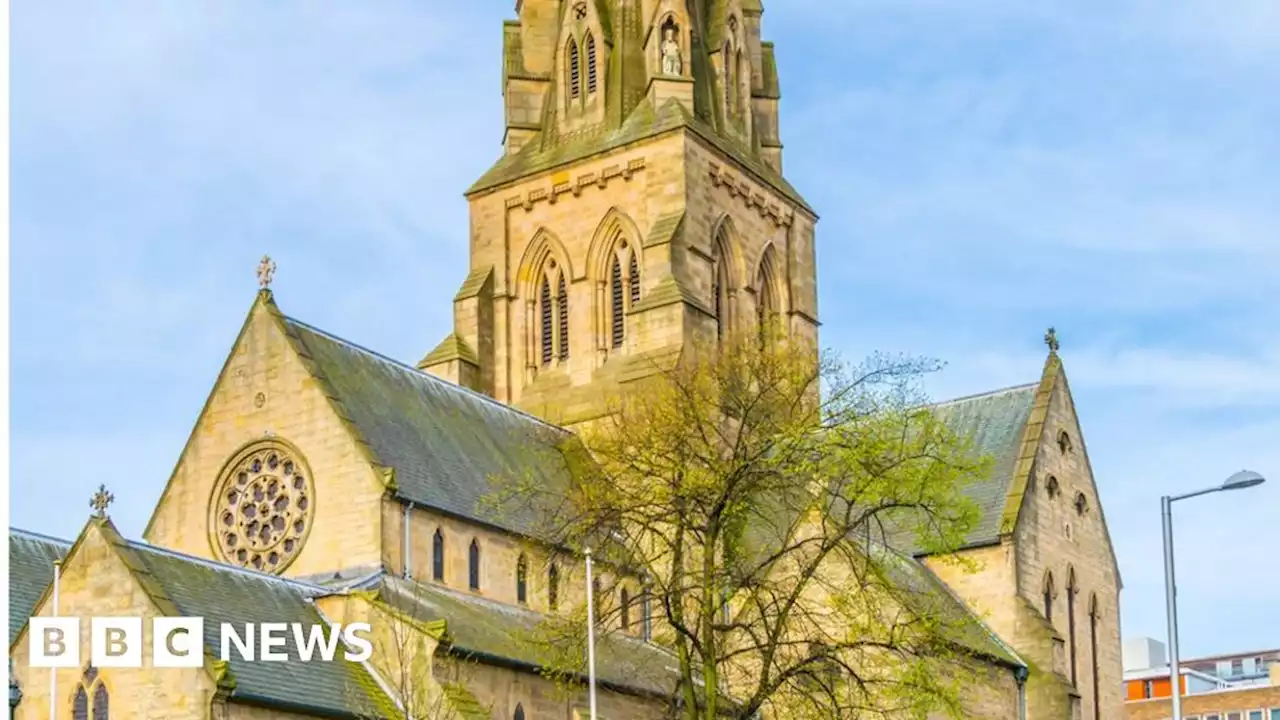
x,y
506,221
499,555
1055,537
502,689
95,582
571,210
264,392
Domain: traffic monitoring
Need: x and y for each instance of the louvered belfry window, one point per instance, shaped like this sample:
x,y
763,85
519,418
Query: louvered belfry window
x,y
544,302
634,281
591,64
617,327
575,72
562,307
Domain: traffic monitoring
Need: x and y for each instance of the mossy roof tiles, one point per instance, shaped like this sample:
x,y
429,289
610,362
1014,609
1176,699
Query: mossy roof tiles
x,y
451,449
994,423
218,593
31,558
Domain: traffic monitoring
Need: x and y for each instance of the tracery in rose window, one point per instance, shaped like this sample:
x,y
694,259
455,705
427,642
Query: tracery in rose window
x,y
263,507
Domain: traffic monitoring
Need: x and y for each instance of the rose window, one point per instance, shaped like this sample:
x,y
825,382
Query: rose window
x,y
263,508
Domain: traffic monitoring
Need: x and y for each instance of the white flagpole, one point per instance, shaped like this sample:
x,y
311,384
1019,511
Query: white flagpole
x,y
53,672
591,638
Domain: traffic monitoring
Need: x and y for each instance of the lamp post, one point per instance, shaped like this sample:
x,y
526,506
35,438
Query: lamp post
x,y
1239,481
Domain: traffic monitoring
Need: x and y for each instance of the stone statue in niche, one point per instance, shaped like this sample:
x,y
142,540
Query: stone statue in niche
x,y
671,62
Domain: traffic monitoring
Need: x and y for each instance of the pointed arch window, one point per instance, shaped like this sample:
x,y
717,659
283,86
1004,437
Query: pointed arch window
x,y
626,609
766,307
519,713
553,588
617,319
1071,621
562,313
575,71
728,79
1048,597
437,556
646,614
522,579
473,565
91,686
80,706
547,338
596,599
1093,650
737,81
720,282
590,44
101,703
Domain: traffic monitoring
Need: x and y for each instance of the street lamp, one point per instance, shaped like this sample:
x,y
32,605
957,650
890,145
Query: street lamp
x,y
1238,481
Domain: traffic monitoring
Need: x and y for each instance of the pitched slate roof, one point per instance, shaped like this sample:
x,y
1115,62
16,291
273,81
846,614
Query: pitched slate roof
x,y
218,593
31,559
487,630
995,423
224,594
451,448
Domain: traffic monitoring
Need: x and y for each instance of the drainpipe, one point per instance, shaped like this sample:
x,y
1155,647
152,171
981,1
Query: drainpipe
x,y
1020,675
406,551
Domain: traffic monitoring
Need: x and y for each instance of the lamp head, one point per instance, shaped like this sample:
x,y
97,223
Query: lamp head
x,y
1243,479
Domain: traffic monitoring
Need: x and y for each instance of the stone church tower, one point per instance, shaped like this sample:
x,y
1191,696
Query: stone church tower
x,y
639,207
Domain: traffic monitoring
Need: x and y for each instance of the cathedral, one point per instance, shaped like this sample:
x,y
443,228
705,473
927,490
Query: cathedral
x,y
639,208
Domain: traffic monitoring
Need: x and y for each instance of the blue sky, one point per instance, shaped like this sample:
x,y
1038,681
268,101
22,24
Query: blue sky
x,y
983,169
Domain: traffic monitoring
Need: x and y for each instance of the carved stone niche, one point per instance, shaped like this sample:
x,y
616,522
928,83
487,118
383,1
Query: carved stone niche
x,y
667,55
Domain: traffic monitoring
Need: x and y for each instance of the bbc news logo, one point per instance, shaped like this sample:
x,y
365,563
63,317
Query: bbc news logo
x,y
179,642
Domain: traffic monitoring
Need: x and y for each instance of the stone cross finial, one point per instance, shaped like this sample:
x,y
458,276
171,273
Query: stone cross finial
x,y
1051,339
266,271
100,500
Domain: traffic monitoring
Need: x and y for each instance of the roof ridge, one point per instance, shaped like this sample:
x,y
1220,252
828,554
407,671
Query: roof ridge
x,y
33,535
432,378
214,564
987,393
